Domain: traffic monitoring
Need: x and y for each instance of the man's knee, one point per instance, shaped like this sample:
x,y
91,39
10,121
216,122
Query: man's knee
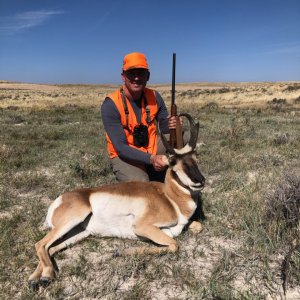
x,y
122,177
125,171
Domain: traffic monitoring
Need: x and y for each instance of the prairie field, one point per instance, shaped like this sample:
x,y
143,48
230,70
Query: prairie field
x,y
52,140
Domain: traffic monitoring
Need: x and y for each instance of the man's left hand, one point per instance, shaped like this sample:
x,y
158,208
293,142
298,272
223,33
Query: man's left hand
x,y
159,162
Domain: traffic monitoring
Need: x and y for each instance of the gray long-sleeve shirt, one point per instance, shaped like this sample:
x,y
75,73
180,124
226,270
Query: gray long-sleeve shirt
x,y
112,123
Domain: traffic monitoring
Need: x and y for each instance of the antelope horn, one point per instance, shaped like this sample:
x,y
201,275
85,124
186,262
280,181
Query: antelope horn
x,y
194,130
169,149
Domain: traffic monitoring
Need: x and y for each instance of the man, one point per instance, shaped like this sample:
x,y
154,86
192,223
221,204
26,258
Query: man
x,y
130,116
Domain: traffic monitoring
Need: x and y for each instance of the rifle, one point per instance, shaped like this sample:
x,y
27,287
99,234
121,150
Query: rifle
x,y
176,139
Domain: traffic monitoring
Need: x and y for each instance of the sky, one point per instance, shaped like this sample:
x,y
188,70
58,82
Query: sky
x,y
73,41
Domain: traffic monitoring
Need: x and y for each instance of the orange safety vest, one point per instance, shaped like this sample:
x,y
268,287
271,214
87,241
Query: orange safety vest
x,y
129,123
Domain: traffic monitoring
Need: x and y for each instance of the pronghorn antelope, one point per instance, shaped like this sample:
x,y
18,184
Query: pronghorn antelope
x,y
152,210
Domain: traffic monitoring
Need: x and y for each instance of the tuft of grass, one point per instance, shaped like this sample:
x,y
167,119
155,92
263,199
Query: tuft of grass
x,y
281,138
277,104
283,203
297,100
211,106
291,88
283,216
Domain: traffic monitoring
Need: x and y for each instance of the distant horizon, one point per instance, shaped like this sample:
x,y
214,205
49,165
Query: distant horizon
x,y
149,84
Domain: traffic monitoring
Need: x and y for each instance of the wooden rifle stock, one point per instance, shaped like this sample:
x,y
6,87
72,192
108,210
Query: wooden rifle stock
x,y
176,139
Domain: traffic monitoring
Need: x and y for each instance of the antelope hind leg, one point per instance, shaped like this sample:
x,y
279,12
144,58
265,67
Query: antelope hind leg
x,y
75,235
34,278
44,272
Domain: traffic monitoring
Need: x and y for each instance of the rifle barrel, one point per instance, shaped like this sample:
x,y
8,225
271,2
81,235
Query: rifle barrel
x,y
173,78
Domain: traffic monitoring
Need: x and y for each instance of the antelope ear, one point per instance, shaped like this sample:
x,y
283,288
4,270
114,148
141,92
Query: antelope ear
x,y
194,136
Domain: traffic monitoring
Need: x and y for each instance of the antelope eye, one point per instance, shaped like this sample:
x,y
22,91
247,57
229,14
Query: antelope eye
x,y
172,161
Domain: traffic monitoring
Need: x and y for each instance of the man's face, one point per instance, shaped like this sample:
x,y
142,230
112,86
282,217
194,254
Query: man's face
x,y
135,79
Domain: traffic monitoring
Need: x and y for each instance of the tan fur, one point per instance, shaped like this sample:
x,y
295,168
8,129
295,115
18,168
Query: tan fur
x,y
80,199
182,200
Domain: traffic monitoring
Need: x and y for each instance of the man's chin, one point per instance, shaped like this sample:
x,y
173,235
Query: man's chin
x,y
137,88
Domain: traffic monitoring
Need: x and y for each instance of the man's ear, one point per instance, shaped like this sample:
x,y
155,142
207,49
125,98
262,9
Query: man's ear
x,y
123,76
148,76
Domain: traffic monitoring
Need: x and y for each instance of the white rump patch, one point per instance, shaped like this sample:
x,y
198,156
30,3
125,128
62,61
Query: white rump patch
x,y
55,204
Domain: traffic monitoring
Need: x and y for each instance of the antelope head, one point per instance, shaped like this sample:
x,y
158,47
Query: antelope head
x,y
183,162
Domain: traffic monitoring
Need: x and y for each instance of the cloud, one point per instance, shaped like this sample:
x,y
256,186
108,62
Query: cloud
x,y
23,21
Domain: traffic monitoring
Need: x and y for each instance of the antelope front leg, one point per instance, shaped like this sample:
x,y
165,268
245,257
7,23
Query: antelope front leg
x,y
195,227
154,234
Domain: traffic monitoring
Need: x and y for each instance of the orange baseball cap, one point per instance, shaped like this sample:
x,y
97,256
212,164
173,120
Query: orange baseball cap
x,y
135,60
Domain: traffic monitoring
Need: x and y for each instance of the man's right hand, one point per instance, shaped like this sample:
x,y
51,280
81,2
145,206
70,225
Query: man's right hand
x,y
159,162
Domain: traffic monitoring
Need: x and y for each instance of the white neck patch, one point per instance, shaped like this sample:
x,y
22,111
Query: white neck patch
x,y
187,148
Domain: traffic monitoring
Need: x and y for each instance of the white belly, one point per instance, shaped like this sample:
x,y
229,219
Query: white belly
x,y
117,227
115,216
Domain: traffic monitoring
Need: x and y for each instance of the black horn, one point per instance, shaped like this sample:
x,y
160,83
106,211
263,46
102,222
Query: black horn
x,y
169,149
194,130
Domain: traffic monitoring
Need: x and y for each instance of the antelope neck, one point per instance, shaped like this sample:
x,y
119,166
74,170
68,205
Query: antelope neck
x,y
177,179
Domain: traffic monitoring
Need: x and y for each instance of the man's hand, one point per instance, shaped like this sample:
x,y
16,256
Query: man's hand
x,y
159,162
173,120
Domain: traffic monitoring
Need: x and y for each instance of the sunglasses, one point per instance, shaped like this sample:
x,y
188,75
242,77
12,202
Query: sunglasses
x,y
142,73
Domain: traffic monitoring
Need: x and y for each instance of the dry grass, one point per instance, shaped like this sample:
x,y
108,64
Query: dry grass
x,y
228,95
52,141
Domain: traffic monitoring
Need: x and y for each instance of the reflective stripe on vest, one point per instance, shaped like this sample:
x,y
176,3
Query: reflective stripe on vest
x,y
132,121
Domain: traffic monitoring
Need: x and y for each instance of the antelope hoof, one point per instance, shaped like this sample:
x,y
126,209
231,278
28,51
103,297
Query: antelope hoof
x,y
196,227
33,285
45,281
